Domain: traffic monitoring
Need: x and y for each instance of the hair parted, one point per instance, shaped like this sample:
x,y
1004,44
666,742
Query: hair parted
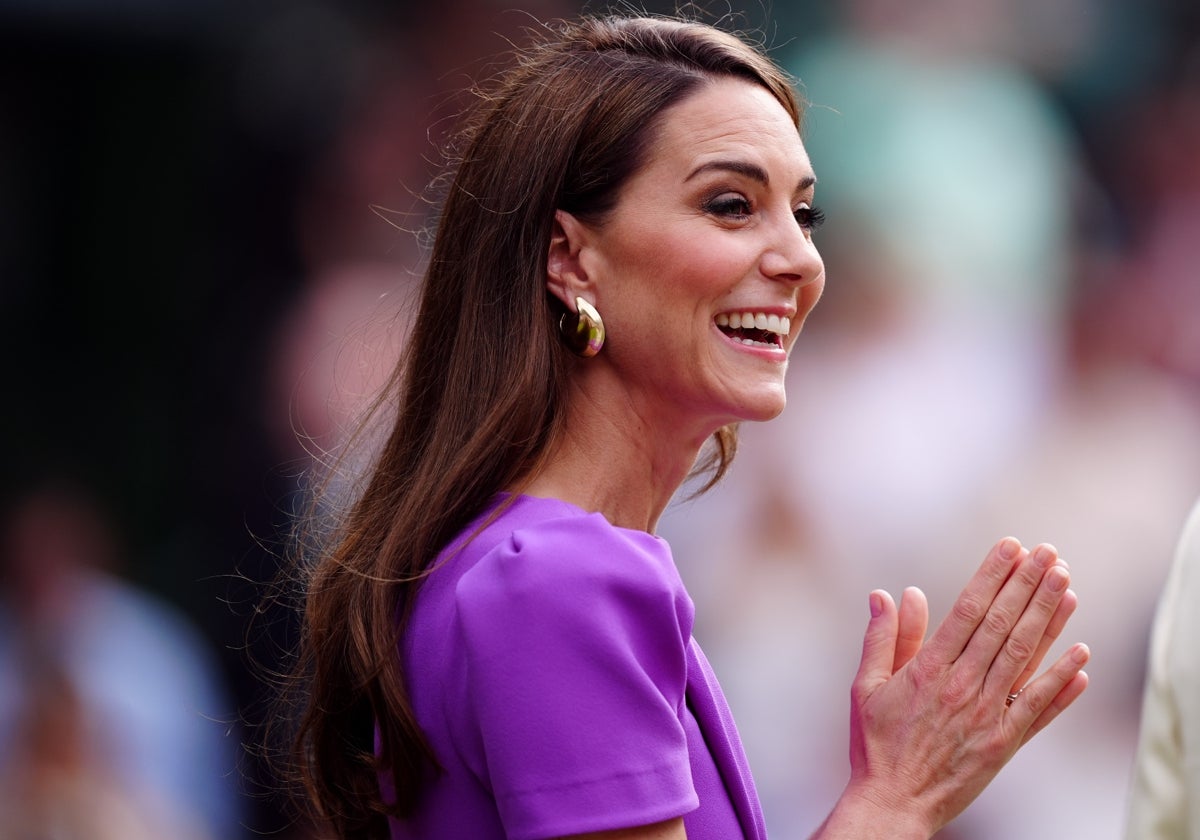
x,y
481,391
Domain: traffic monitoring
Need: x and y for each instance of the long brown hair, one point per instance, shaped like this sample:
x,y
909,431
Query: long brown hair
x,y
482,390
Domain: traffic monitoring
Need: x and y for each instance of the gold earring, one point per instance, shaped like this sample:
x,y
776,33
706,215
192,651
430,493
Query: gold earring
x,y
586,336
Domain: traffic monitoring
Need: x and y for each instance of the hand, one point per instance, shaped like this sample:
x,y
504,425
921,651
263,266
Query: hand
x,y
930,726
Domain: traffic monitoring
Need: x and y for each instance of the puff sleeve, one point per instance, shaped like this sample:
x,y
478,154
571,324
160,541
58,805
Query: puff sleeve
x,y
574,635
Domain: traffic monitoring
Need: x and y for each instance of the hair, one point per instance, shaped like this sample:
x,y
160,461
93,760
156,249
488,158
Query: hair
x,y
481,392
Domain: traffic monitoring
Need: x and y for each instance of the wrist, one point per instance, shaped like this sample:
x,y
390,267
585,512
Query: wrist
x,y
863,813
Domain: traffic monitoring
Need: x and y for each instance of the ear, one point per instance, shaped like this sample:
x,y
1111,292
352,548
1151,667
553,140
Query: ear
x,y
566,276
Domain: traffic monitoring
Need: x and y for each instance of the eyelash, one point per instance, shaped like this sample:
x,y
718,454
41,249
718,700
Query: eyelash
x,y
728,205
809,218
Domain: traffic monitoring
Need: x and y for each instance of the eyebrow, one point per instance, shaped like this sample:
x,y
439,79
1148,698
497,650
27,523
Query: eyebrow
x,y
749,170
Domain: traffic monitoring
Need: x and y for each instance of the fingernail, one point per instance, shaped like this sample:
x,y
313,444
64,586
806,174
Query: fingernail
x,y
1080,654
1045,553
1009,547
1057,579
876,605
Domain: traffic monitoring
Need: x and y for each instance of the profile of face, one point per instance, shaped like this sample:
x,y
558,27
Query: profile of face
x,y
705,269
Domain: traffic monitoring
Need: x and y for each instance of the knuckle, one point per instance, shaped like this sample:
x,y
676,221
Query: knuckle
x,y
967,610
954,691
998,621
1017,649
923,672
1032,580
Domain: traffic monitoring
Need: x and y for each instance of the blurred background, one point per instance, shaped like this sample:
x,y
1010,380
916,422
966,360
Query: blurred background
x,y
210,217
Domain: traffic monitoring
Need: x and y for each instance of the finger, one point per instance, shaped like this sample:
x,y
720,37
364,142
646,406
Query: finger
x,y
952,635
879,643
1018,650
995,634
1047,696
1065,698
1066,608
913,622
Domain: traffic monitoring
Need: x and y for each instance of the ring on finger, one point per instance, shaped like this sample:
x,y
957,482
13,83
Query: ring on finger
x,y
1010,699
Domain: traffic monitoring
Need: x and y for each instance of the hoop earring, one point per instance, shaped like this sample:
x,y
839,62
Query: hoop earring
x,y
586,336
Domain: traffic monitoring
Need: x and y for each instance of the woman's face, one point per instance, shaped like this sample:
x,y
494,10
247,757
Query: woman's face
x,y
706,268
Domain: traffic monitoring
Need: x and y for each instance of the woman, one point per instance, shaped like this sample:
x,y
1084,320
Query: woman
x,y
498,644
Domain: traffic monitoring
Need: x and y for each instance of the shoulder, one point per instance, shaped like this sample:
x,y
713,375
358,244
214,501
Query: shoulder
x,y
573,586
571,552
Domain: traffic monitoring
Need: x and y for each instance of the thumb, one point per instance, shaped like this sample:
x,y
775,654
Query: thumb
x,y
879,642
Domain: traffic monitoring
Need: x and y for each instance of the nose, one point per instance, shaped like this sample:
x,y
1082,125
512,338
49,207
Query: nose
x,y
791,256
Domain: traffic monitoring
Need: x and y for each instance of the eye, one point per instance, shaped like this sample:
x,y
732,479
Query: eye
x,y
729,205
809,218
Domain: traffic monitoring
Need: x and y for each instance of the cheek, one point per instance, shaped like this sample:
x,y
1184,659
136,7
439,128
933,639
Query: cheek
x,y
662,256
688,266
810,295
706,267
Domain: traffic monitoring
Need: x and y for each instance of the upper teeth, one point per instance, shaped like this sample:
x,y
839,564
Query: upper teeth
x,y
755,321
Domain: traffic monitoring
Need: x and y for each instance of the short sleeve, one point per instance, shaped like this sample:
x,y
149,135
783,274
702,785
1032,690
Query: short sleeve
x,y
575,637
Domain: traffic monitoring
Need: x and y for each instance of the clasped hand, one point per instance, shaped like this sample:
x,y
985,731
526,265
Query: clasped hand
x,y
933,722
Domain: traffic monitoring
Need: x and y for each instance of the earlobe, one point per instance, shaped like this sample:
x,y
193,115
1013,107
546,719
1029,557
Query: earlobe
x,y
566,277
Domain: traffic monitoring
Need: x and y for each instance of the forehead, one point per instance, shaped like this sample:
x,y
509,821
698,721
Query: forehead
x,y
731,117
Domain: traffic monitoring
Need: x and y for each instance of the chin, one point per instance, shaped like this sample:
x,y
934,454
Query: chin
x,y
766,407
765,415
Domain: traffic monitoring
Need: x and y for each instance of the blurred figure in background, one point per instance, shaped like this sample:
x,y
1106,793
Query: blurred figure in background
x,y
113,722
1165,795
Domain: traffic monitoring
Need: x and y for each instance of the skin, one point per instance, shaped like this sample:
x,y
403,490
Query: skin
x,y
692,236
717,222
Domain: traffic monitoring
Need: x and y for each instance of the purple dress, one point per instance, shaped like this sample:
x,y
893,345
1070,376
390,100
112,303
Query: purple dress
x,y
551,664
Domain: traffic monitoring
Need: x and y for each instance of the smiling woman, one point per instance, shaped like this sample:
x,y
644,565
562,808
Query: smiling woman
x,y
709,238
496,644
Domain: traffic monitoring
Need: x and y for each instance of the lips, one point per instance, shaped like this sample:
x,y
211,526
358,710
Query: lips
x,y
757,329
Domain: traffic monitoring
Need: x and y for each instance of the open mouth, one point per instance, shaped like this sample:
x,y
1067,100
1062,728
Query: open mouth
x,y
756,329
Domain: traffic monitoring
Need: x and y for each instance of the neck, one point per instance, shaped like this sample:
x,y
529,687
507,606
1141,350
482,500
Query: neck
x,y
614,461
